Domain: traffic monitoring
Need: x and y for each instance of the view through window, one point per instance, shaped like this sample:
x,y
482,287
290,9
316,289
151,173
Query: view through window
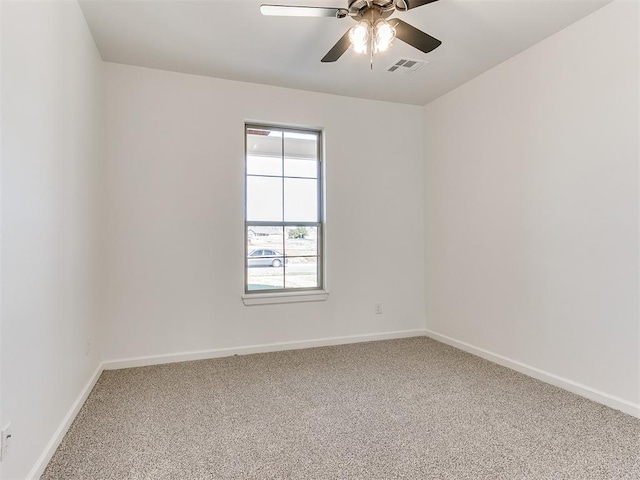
x,y
283,209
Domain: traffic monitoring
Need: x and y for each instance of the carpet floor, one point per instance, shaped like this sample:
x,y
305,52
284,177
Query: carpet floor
x,y
411,408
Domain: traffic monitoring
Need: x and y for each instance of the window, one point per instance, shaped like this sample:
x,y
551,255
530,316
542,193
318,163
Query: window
x,y
283,210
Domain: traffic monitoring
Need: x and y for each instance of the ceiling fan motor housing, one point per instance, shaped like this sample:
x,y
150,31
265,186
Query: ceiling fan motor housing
x,y
358,8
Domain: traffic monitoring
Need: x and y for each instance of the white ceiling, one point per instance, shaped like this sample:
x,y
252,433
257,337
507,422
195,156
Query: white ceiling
x,y
231,39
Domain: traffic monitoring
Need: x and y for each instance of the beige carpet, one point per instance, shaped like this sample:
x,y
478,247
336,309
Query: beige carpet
x,y
412,409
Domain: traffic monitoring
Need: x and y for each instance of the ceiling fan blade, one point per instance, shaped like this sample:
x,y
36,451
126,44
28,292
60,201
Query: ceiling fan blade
x,y
293,11
338,49
404,5
414,37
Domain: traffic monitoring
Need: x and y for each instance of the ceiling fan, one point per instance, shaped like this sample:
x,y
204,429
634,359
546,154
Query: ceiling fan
x,y
373,33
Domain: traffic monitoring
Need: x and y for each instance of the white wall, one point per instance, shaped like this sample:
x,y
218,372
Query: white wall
x,y
531,188
173,229
50,149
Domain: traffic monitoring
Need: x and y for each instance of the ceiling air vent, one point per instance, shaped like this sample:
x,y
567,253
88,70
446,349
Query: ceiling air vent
x,y
406,66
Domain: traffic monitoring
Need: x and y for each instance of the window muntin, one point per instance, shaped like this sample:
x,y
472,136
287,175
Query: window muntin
x,y
283,209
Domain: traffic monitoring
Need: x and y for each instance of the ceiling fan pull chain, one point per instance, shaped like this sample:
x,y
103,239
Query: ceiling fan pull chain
x,y
371,32
371,50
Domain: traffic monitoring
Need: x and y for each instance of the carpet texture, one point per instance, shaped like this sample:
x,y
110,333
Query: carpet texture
x,y
411,408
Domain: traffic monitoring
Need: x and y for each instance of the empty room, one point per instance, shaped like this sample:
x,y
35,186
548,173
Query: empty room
x,y
319,239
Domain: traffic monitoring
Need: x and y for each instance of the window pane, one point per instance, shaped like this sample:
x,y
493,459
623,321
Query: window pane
x,y
301,167
265,278
265,258
300,200
261,238
264,199
300,144
261,165
301,272
301,154
263,143
301,241
301,247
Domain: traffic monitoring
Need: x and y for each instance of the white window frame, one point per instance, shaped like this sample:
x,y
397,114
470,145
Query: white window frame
x,y
288,295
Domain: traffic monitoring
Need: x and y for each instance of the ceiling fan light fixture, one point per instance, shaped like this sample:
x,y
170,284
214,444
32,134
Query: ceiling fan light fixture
x,y
359,36
384,33
360,48
373,33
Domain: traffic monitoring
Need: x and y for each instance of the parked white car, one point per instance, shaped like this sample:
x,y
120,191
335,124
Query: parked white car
x,y
264,257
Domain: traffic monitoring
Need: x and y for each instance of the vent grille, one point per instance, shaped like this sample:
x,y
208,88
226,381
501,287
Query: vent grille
x,y
406,66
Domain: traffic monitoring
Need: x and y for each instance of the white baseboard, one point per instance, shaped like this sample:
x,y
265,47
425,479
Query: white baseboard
x,y
564,383
50,449
268,347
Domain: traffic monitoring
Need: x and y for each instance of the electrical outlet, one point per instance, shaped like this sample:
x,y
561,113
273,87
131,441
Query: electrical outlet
x,y
5,441
378,309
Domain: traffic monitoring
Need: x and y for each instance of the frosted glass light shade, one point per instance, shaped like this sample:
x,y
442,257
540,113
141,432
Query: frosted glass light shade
x,y
359,36
384,33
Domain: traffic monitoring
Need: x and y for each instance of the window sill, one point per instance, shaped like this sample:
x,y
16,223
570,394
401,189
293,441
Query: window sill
x,y
284,297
